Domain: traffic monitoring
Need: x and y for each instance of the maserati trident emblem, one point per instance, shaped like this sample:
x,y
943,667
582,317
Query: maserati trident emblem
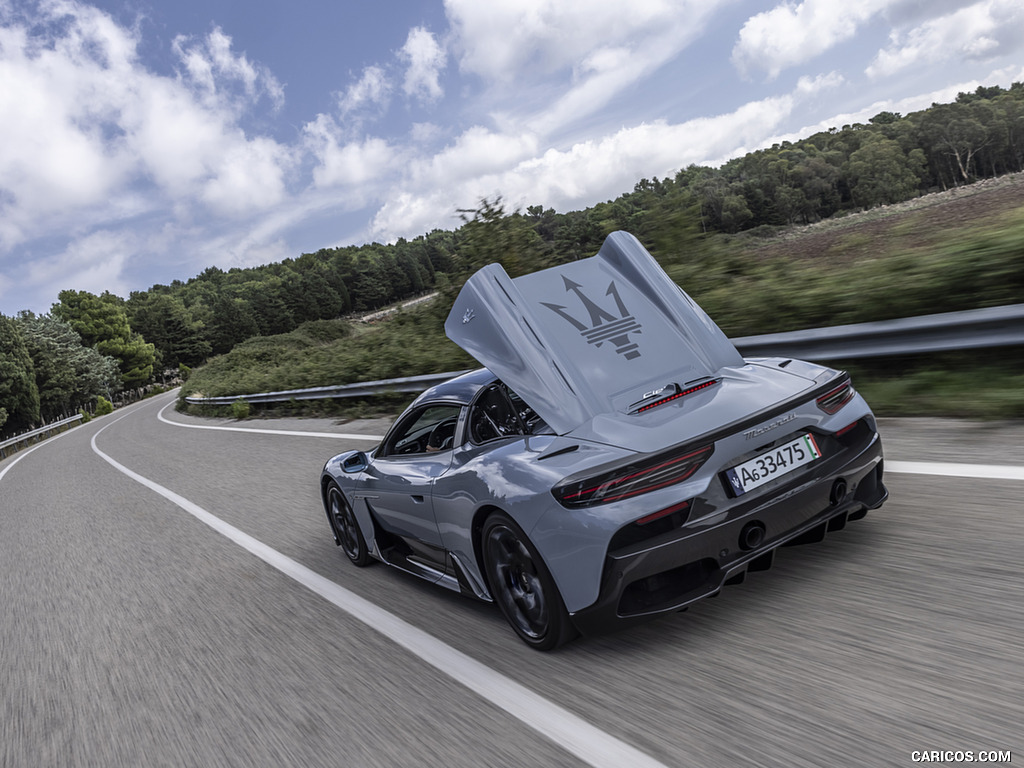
x,y
603,325
469,315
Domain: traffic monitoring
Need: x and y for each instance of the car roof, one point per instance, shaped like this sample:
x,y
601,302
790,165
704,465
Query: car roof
x,y
461,390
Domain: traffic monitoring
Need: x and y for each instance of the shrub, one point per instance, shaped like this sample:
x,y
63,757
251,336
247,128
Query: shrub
x,y
103,406
240,409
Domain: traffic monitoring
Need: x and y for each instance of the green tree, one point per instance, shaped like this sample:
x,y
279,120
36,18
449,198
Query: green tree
x,y
94,318
881,174
231,322
102,322
369,286
68,375
165,321
19,395
266,296
953,135
489,235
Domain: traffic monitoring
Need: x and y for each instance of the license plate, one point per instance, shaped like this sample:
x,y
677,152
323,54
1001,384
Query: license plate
x,y
772,464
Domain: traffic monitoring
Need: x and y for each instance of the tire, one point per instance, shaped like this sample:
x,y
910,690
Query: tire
x,y
522,586
346,527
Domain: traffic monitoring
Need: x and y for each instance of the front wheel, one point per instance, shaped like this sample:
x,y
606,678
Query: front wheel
x,y
522,586
346,527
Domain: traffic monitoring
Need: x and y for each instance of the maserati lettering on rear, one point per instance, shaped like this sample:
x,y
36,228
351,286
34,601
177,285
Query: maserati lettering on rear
x,y
751,434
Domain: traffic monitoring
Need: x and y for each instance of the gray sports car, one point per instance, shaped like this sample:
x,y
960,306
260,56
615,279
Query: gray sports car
x,y
615,460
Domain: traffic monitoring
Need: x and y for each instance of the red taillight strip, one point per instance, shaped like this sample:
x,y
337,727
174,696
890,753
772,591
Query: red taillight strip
x,y
647,488
847,428
638,473
663,513
702,385
607,487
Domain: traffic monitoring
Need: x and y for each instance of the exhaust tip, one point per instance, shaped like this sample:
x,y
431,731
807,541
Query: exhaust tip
x,y
752,535
838,492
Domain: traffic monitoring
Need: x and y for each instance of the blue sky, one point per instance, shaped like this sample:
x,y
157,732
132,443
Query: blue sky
x,y
143,141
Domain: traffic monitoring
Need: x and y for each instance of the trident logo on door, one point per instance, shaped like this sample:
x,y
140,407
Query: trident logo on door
x,y
604,326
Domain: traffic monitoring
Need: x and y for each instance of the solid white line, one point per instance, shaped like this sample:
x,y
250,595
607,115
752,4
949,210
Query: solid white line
x,y
943,469
335,435
572,733
23,453
26,452
986,471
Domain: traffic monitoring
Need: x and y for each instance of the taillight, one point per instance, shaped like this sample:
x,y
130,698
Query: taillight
x,y
835,399
631,479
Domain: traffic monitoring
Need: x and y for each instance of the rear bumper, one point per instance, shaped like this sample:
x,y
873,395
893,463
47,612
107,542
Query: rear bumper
x,y
695,561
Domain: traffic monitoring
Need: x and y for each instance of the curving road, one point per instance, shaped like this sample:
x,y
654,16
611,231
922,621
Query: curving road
x,y
171,596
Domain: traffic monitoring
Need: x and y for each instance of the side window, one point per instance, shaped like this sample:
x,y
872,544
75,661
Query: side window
x,y
493,416
427,430
533,423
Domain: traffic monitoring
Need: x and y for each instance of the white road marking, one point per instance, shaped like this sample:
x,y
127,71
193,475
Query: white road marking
x,y
335,435
26,452
985,471
942,469
572,733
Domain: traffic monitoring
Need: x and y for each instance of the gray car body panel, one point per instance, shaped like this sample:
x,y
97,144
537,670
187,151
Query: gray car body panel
x,y
589,337
585,389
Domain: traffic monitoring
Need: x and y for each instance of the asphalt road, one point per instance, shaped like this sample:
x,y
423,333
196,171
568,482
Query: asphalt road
x,y
134,634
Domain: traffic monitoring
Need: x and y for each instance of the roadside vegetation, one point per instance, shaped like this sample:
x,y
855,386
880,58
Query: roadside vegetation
x,y
904,215
748,287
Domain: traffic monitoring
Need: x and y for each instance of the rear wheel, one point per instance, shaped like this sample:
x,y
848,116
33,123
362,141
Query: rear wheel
x,y
346,527
522,586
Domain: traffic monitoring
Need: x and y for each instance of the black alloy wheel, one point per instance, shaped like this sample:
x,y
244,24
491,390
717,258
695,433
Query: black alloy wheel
x,y
346,528
522,586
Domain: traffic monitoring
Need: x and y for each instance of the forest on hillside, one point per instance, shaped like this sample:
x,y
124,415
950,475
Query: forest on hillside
x,y
112,343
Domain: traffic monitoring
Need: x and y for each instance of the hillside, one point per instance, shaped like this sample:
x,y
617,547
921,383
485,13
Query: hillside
x,y
905,226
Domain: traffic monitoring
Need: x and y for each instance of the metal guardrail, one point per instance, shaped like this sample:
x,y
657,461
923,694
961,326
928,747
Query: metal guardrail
x,y
948,331
358,389
37,434
968,329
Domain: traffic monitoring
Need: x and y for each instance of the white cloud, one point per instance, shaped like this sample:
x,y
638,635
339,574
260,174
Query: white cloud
x,y
372,88
790,34
92,141
808,86
425,59
423,133
92,121
975,32
53,149
92,263
249,176
212,67
502,40
578,55
477,152
342,163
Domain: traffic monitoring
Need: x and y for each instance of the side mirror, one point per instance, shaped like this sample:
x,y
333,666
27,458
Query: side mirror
x,y
357,462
